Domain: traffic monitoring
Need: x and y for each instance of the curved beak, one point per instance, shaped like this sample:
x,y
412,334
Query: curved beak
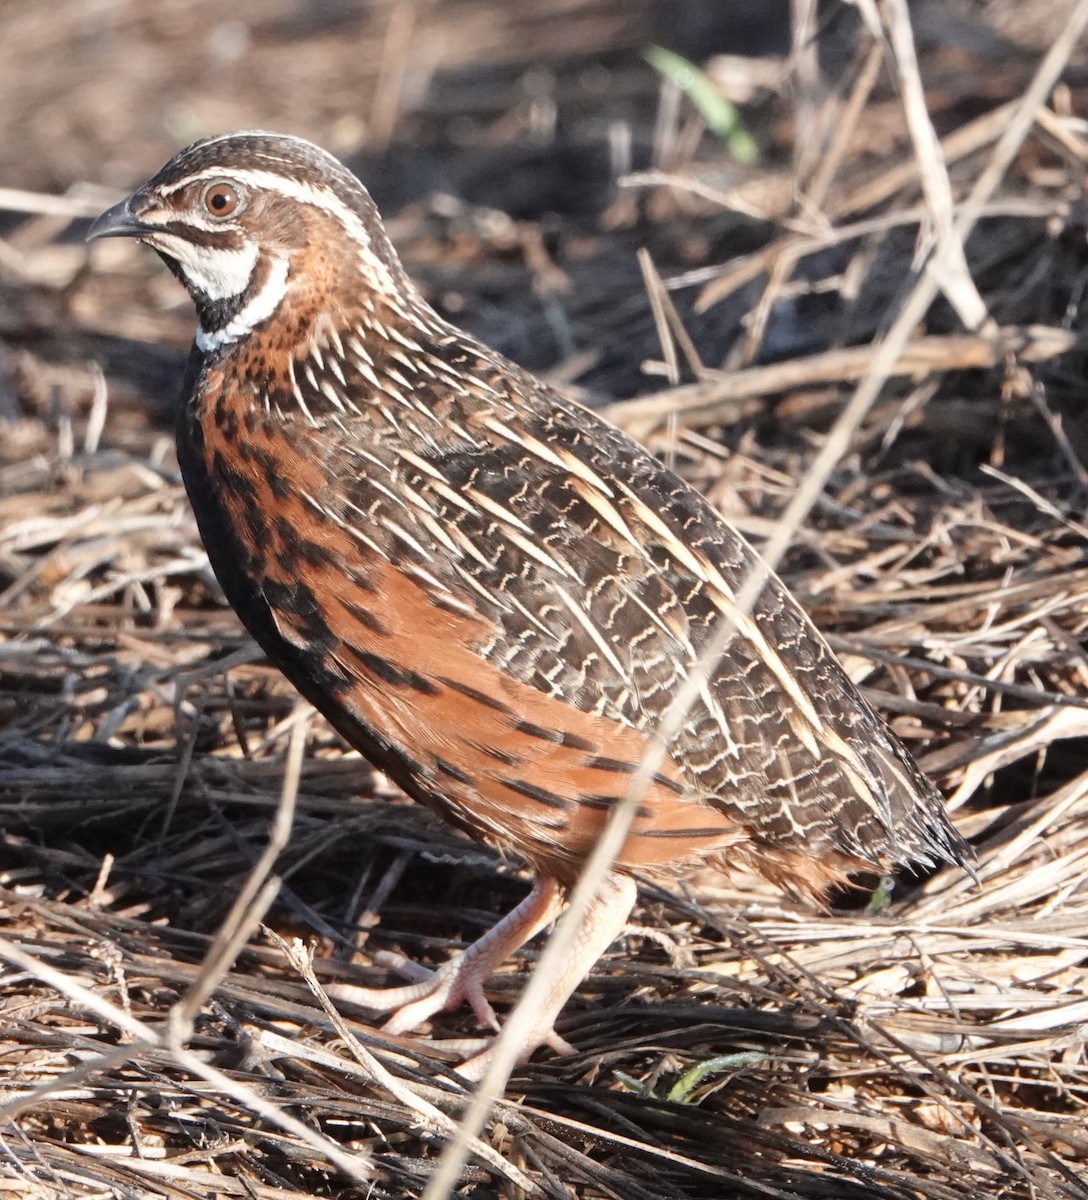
x,y
118,221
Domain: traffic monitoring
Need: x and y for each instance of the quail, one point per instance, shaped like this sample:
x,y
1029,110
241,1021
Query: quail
x,y
489,591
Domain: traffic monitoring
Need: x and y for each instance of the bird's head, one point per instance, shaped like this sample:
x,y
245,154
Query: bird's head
x,y
260,224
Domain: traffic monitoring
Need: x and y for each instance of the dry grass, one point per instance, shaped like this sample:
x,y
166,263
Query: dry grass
x,y
163,1030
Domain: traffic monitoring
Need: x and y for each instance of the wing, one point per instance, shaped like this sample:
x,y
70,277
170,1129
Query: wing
x,y
642,573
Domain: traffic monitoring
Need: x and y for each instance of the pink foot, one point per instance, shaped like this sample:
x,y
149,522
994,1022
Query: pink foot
x,y
461,980
601,925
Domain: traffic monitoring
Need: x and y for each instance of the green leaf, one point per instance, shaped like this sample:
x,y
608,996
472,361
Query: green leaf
x,y
681,1090
881,897
720,116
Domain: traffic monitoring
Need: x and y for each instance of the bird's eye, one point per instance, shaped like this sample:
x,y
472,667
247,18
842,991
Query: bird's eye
x,y
222,199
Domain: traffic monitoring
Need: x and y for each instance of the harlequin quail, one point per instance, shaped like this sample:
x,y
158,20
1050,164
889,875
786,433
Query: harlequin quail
x,y
491,592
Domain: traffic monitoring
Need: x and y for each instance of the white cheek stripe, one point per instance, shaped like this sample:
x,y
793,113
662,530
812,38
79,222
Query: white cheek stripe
x,y
258,309
218,273
377,272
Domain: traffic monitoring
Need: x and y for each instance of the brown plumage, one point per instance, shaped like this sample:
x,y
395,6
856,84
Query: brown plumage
x,y
488,590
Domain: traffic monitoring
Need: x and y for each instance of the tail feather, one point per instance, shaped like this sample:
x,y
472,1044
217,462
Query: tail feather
x,y
921,831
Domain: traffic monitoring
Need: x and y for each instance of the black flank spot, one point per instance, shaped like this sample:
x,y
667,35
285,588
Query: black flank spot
x,y
361,583
365,617
279,486
395,676
306,616
642,813
500,756
472,693
385,671
559,736
316,677
538,794
453,772
267,462
627,768
681,833
293,551
277,594
599,763
311,553
295,596
256,526
235,482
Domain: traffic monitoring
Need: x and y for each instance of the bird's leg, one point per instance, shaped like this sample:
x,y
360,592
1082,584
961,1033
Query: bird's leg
x,y
602,923
462,978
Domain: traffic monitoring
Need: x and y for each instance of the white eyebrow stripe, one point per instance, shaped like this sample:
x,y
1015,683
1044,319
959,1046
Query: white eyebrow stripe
x,y
378,272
